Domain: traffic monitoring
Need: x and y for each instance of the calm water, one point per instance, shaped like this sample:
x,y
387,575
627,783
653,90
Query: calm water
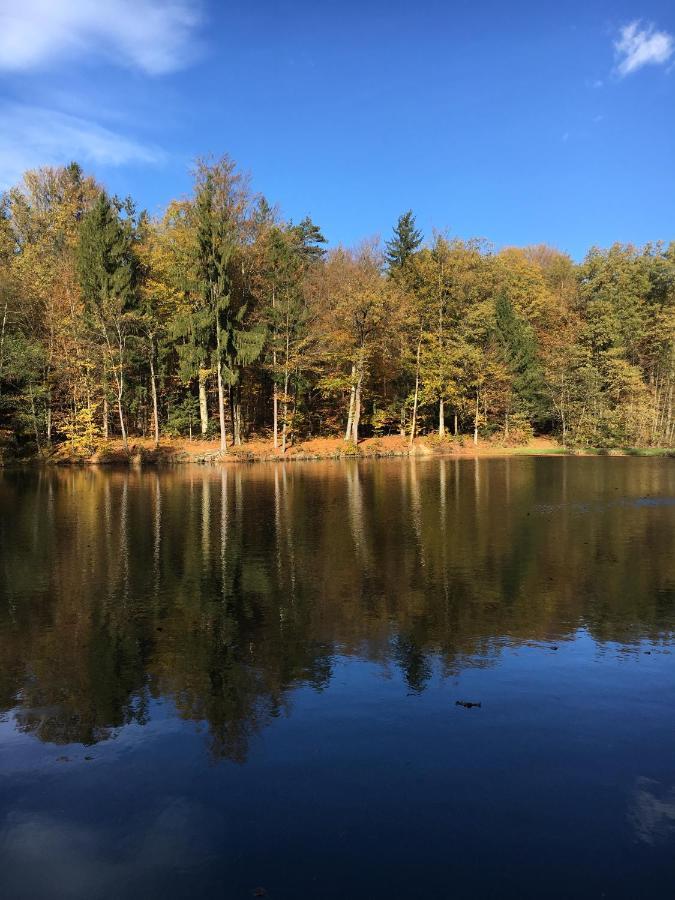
x,y
215,681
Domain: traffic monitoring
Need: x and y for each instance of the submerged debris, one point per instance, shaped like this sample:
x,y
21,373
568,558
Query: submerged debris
x,y
467,704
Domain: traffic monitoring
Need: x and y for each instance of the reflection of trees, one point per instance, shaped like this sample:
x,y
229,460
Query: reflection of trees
x,y
226,588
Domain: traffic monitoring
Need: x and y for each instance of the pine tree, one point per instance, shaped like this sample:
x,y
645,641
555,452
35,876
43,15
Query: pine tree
x,y
407,238
107,268
519,352
222,222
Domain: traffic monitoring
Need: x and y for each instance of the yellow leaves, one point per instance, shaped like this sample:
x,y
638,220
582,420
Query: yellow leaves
x,y
525,284
81,429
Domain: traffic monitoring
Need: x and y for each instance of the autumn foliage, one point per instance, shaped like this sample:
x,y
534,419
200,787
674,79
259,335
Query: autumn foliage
x,y
221,319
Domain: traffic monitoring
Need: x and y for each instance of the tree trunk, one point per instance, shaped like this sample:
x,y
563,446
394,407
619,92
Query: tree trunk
x,y
221,409
286,379
35,421
2,343
475,418
119,378
235,413
356,417
221,393
441,418
123,427
285,413
275,390
352,396
203,406
456,425
413,427
237,429
153,384
275,401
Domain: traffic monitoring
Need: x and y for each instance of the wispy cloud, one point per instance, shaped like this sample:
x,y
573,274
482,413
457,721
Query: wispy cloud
x,y
156,36
639,46
32,136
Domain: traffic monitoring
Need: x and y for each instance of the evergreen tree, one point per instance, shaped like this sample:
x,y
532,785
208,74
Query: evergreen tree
x,y
290,252
308,240
222,226
107,268
407,238
519,352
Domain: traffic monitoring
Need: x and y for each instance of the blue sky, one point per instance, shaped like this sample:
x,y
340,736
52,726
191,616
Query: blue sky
x,y
520,123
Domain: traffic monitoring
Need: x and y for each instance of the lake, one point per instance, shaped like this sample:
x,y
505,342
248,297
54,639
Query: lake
x,y
244,681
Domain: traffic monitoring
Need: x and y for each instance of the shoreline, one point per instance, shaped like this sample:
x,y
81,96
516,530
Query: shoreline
x,y
198,452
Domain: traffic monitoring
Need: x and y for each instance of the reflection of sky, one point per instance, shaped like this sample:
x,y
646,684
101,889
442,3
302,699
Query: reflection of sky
x,y
367,768
652,811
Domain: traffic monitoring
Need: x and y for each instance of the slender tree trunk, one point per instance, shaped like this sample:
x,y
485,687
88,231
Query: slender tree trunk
x,y
275,389
120,387
120,410
286,379
203,405
236,414
153,384
2,343
285,413
221,410
413,427
356,417
352,396
275,401
456,424
35,421
221,393
475,418
441,345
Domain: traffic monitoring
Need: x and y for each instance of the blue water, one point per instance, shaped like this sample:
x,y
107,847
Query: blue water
x,y
244,684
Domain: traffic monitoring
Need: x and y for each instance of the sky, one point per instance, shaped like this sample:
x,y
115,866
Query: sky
x,y
522,122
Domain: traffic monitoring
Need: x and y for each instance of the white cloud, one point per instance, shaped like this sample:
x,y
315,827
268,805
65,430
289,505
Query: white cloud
x,y
157,36
32,136
41,850
637,47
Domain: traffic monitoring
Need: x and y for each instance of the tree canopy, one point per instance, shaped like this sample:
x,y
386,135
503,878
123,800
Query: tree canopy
x,y
222,318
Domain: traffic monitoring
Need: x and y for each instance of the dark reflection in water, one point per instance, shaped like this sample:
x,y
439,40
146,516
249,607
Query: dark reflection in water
x,y
218,679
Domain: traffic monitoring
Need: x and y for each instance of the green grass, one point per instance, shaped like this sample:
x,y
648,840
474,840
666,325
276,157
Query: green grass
x,y
595,451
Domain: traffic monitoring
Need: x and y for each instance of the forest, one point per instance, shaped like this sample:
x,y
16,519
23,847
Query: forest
x,y
221,320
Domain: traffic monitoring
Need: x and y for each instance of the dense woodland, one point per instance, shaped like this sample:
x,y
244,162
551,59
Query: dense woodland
x,y
221,319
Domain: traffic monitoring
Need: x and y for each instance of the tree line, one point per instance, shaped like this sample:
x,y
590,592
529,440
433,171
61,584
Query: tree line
x,y
222,319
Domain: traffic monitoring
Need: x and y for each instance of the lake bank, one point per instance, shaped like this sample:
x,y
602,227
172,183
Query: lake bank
x,y
183,451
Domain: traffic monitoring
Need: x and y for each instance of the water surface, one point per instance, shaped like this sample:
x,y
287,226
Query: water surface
x,y
214,681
